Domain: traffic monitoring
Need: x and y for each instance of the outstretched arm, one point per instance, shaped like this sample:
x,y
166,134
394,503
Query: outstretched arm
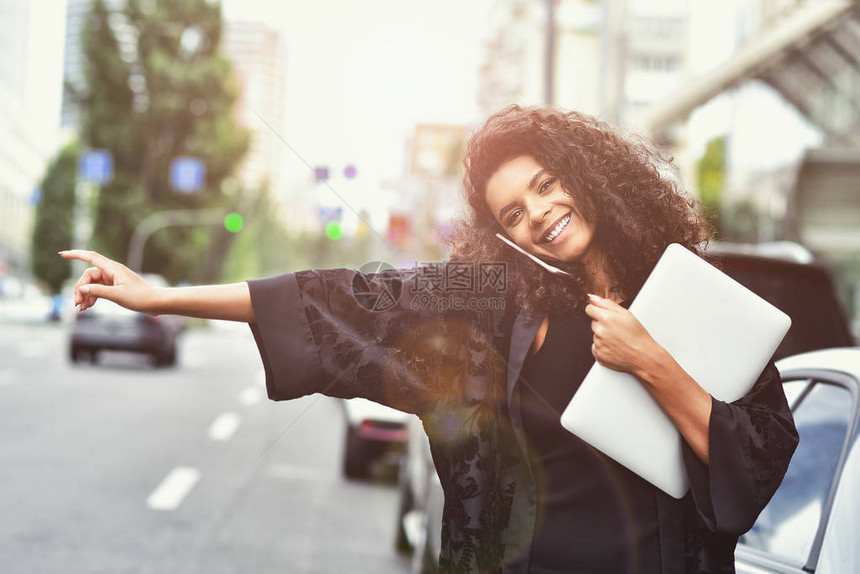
x,y
108,279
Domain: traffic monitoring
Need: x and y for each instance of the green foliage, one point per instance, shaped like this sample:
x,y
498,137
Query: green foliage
x,y
741,222
162,92
52,230
711,174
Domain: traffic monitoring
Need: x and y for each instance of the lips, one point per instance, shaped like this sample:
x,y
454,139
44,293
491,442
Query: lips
x,y
548,229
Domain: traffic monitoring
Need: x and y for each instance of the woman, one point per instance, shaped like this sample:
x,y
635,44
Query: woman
x,y
489,381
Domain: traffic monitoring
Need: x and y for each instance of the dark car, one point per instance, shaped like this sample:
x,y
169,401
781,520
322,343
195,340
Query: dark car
x,y
785,275
375,436
108,327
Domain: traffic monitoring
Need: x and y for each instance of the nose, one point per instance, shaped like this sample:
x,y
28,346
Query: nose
x,y
538,212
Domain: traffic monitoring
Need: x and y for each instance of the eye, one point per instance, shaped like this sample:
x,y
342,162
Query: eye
x,y
546,184
514,215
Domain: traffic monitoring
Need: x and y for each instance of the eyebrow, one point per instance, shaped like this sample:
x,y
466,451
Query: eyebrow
x,y
532,183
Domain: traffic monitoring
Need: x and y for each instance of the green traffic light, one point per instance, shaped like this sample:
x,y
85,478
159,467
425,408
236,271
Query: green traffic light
x,y
333,230
233,222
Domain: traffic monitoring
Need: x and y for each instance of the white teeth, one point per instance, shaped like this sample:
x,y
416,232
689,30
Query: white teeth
x,y
557,229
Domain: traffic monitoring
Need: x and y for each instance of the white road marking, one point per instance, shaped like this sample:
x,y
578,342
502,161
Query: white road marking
x,y
250,396
224,427
8,376
174,488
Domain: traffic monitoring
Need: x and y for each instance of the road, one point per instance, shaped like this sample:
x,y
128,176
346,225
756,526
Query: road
x,y
122,468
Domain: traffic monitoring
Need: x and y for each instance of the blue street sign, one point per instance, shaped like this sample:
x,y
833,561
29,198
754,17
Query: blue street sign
x,y
327,213
96,166
187,174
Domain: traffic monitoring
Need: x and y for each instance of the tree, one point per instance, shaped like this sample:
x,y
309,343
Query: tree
x,y
52,230
162,92
712,180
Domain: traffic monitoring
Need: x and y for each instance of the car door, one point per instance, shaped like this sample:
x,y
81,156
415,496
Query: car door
x,y
789,533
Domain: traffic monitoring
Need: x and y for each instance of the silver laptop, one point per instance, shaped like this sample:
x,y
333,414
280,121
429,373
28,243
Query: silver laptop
x,y
721,333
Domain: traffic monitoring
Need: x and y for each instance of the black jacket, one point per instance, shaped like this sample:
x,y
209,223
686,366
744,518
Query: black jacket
x,y
455,364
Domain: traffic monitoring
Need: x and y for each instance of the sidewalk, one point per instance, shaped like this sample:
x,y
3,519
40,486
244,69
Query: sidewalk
x,y
27,310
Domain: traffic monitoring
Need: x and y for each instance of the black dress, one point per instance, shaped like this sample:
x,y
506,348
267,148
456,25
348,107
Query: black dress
x,y
594,515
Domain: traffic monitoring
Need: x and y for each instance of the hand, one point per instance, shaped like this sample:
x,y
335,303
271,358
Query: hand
x,y
620,341
110,280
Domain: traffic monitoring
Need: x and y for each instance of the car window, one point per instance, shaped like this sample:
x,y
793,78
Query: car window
x,y
793,389
788,525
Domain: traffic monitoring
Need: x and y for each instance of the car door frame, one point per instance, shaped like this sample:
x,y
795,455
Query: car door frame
x,y
754,560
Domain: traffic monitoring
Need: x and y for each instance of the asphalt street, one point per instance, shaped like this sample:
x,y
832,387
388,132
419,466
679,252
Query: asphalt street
x,y
120,467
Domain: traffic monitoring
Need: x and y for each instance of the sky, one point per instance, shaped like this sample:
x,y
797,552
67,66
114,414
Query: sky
x,y
360,75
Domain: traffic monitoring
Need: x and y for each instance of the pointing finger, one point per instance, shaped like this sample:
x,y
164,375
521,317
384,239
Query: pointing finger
x,y
91,257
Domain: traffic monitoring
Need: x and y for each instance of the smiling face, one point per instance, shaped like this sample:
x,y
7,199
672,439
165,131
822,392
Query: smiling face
x,y
533,208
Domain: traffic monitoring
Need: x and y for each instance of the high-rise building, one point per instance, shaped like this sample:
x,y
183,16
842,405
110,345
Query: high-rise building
x,y
655,48
611,57
28,138
258,55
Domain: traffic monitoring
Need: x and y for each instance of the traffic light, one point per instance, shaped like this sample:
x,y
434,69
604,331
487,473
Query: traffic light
x,y
233,222
333,230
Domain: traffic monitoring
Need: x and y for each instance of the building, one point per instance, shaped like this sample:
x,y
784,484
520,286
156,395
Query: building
x,y
258,55
611,58
655,44
28,138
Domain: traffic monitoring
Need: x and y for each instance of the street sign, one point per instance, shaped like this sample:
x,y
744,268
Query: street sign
x,y
95,166
321,173
399,228
328,213
187,174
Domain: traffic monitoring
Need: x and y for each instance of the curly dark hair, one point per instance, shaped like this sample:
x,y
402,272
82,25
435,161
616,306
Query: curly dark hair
x,y
633,196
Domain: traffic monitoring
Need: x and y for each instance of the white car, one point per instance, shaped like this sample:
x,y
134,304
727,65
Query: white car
x,y
375,434
811,523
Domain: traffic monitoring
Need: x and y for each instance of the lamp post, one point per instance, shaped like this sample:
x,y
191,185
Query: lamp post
x,y
162,219
549,55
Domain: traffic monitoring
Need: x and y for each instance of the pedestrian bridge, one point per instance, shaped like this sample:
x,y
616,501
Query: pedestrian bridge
x,y
809,52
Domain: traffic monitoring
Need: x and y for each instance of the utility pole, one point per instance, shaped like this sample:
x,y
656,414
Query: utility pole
x,y
549,55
